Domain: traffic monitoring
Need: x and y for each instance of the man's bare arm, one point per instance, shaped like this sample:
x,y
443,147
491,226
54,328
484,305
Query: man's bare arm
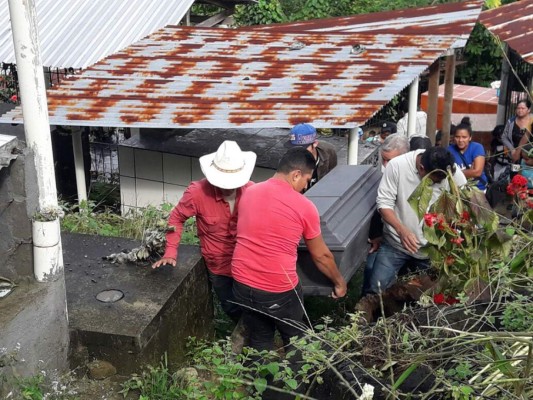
x,y
408,238
325,262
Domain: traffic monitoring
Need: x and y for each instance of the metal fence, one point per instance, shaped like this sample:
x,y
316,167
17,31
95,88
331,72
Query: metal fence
x,y
104,153
104,162
9,86
519,82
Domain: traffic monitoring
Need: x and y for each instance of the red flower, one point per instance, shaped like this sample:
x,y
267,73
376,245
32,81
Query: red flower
x,y
429,219
522,195
457,240
519,180
465,216
441,222
449,260
438,298
517,186
530,203
451,300
14,98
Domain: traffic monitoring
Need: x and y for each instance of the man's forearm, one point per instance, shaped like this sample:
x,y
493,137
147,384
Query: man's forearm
x,y
326,264
390,217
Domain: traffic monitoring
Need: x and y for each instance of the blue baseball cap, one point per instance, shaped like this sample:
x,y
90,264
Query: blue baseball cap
x,y
302,135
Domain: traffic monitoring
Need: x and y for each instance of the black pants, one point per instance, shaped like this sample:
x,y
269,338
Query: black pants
x,y
263,312
223,287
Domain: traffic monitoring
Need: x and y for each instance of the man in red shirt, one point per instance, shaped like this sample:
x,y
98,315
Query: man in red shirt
x,y
214,201
273,217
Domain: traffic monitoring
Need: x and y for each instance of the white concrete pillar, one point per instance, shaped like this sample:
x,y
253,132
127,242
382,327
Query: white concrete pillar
x,y
77,147
413,108
36,126
353,146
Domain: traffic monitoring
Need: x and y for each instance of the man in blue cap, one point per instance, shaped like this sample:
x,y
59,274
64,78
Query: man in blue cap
x,y
304,135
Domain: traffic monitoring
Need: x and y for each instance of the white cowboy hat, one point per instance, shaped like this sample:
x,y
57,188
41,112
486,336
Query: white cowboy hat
x,y
228,167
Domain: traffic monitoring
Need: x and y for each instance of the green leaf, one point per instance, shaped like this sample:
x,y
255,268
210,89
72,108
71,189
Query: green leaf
x,y
291,383
447,205
420,198
430,234
481,212
260,385
501,362
273,368
404,376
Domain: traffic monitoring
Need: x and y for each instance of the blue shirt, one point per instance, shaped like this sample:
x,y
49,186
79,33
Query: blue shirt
x,y
473,151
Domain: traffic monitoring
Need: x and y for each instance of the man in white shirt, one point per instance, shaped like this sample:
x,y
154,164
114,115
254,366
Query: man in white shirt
x,y
402,232
420,124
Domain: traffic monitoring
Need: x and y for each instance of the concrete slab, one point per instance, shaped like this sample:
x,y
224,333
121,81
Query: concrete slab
x,y
159,310
33,327
268,144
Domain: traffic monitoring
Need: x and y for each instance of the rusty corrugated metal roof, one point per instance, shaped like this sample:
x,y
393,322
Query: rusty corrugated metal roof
x,y
513,24
216,78
443,19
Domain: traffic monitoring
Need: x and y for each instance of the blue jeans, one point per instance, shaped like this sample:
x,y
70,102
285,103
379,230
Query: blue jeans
x,y
388,261
223,287
263,312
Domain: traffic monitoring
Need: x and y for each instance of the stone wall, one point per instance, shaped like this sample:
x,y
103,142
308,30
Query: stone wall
x,y
33,317
15,225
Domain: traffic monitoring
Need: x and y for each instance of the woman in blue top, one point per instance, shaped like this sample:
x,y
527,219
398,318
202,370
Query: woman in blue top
x,y
469,156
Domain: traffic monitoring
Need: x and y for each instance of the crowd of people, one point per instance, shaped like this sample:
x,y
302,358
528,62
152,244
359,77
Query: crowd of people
x,y
249,232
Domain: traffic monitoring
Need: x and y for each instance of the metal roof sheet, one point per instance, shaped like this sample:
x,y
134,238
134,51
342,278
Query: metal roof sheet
x,y
78,33
216,78
443,19
513,24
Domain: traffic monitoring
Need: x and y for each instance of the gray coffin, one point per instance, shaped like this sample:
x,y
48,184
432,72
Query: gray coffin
x,y
345,199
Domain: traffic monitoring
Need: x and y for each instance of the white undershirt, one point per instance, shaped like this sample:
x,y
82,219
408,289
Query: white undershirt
x,y
231,201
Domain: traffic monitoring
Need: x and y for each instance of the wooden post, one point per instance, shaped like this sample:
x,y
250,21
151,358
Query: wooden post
x,y
433,100
504,81
449,76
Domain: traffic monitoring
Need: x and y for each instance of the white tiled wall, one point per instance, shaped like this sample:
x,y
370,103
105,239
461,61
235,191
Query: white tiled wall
x,y
152,178
126,162
148,192
149,165
172,193
177,169
128,197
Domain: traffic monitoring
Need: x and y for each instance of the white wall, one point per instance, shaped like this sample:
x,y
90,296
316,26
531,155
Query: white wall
x,y
152,178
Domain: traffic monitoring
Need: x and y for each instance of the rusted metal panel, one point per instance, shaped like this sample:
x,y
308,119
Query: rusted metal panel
x,y
215,78
443,19
513,24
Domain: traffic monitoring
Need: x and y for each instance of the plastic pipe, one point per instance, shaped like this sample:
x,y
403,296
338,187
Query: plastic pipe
x,y
23,16
413,108
77,146
353,146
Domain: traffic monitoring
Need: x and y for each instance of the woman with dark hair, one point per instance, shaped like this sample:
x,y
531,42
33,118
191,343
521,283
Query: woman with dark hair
x,y
469,156
516,127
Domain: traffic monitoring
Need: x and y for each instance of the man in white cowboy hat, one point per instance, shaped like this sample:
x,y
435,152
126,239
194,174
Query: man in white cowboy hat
x,y
304,135
214,201
273,217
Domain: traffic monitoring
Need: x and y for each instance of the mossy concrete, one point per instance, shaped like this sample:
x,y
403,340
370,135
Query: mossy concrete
x,y
160,309
33,321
